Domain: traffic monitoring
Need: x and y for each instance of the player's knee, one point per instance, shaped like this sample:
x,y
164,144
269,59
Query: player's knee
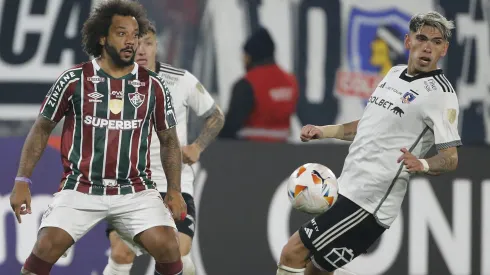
x,y
294,254
51,246
122,255
168,249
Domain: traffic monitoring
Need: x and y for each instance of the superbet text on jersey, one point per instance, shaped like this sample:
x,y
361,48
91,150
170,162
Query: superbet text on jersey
x,y
108,127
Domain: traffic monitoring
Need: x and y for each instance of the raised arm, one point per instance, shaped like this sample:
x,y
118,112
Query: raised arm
x,y
345,131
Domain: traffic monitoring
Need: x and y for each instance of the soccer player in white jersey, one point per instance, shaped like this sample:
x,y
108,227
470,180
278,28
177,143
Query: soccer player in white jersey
x,y
413,108
186,91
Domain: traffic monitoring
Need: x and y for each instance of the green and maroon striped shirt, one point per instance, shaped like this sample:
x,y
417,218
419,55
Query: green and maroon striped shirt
x,y
108,126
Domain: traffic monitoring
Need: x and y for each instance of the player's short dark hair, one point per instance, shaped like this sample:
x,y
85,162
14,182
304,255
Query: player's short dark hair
x,y
100,19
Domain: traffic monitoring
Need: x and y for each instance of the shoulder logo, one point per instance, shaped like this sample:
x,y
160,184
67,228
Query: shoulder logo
x,y
136,99
451,115
200,87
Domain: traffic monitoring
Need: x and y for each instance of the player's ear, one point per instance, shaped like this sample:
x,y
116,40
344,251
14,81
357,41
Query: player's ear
x,y
407,42
102,41
444,51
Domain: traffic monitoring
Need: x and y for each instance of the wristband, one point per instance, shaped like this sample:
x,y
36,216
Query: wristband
x,y
332,131
425,164
23,179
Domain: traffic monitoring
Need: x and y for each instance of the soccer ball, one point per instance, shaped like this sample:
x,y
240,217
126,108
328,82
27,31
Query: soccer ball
x,y
312,188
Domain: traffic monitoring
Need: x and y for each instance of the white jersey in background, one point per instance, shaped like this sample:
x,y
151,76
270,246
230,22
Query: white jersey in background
x,y
404,111
186,91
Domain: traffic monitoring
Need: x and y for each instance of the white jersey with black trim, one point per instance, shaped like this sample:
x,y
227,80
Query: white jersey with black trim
x,y
187,92
413,112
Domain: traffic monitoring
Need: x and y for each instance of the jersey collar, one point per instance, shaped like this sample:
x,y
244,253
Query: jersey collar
x,y
407,78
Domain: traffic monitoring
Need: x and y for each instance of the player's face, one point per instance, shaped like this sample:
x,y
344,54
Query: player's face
x,y
147,50
122,40
426,48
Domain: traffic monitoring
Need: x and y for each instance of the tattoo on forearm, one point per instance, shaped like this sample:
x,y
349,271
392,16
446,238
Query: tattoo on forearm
x,y
443,162
213,125
34,146
171,157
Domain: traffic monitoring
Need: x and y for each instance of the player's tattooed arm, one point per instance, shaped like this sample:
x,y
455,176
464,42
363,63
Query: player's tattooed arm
x,y
350,130
446,160
212,126
171,157
34,146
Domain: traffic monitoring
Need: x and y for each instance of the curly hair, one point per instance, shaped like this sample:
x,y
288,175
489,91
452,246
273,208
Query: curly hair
x,y
100,19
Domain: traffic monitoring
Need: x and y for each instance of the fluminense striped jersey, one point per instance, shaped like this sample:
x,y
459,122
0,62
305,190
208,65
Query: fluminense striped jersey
x,y
108,127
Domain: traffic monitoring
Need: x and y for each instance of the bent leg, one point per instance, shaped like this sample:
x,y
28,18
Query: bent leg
x,y
162,243
51,243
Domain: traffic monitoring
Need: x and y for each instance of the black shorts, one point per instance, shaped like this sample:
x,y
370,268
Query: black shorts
x,y
186,226
339,235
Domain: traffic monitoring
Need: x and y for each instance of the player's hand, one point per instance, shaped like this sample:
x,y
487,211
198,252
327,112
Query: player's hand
x,y
411,162
309,132
20,199
176,204
191,153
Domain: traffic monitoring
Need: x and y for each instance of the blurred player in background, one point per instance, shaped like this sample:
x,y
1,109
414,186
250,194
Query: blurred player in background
x,y
187,92
413,107
265,98
111,106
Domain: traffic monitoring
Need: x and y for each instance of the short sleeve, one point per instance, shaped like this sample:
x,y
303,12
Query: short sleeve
x,y
163,114
198,97
58,100
441,115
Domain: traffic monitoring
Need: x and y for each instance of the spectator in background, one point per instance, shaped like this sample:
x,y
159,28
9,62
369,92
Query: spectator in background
x,y
264,99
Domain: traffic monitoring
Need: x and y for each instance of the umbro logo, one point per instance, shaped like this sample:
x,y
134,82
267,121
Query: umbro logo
x,y
95,97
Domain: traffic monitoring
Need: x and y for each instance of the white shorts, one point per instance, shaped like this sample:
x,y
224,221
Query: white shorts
x,y
77,213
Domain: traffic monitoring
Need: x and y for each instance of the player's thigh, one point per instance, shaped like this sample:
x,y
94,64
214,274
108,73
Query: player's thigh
x,y
339,235
161,242
133,214
70,216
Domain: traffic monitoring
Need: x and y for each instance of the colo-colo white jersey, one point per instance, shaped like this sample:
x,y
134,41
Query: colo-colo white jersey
x,y
186,91
414,112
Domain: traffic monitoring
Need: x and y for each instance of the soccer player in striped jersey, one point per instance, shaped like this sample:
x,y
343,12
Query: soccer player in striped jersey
x,y
187,92
112,108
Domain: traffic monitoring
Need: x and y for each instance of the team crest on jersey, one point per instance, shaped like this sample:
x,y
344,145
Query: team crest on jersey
x,y
95,79
375,43
136,83
136,99
408,97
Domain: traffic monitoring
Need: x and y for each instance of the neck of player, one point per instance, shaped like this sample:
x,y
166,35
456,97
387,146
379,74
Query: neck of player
x,y
108,65
152,66
413,71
